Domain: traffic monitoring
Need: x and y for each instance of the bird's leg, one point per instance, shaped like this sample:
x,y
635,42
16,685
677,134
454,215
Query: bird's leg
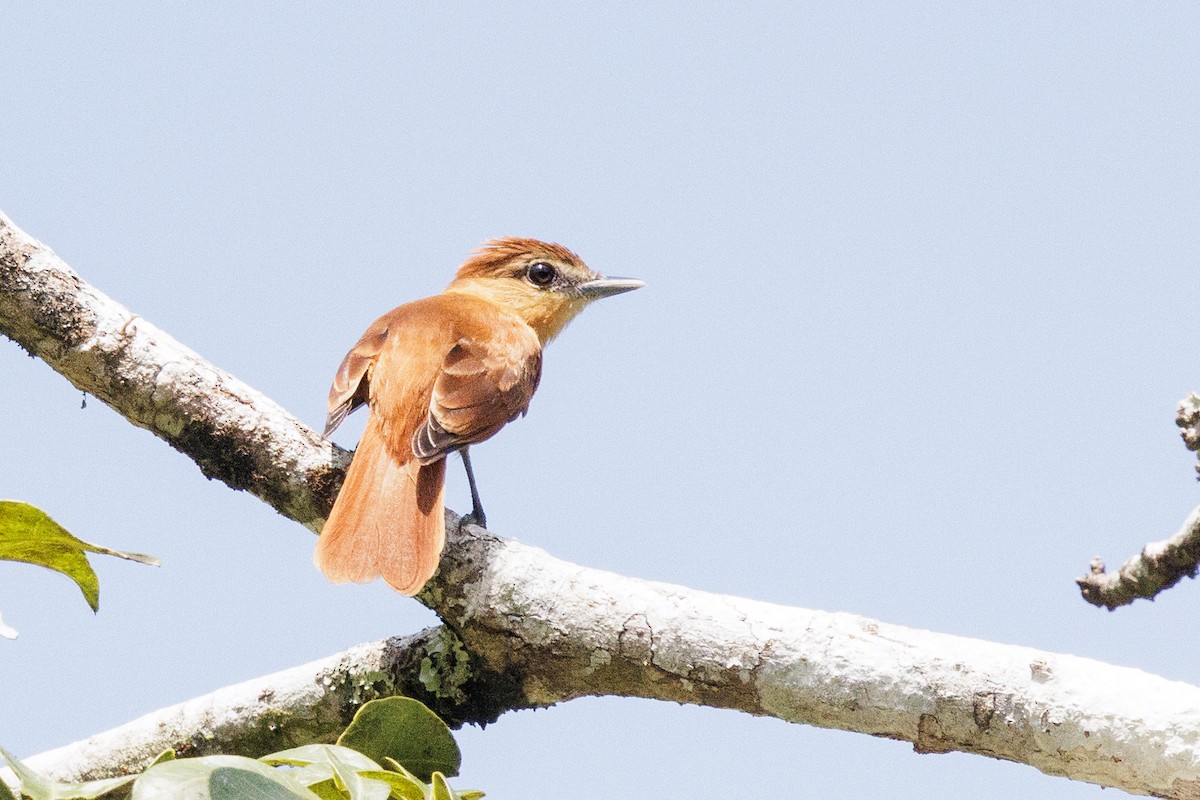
x,y
476,517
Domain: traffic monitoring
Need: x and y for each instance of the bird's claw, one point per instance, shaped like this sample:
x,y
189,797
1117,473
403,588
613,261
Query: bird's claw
x,y
472,519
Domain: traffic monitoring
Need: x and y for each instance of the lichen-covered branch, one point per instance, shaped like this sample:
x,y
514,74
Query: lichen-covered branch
x,y
1162,564
536,631
1159,566
233,432
524,629
310,703
1187,417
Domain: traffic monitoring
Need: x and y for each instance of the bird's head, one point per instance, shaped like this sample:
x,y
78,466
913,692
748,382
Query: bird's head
x,y
544,284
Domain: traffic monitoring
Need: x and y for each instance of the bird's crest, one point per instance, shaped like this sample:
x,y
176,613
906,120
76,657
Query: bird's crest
x,y
495,257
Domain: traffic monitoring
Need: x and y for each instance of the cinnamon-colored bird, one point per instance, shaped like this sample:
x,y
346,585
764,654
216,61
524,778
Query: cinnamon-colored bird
x,y
439,375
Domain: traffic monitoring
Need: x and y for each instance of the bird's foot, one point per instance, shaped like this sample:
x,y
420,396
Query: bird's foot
x,y
473,519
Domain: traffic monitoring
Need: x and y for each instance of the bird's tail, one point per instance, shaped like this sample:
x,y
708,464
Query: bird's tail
x,y
388,521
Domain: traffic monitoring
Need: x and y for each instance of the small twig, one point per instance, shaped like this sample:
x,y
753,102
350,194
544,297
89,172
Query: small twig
x,y
1187,417
1158,567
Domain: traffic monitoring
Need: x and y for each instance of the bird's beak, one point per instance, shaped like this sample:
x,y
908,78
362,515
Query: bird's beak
x,y
607,287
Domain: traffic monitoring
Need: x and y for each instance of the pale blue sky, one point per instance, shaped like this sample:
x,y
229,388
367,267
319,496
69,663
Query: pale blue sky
x,y
921,299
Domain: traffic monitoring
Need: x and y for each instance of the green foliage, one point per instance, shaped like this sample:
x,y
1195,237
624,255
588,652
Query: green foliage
x,y
399,732
5,792
36,787
218,778
28,534
405,730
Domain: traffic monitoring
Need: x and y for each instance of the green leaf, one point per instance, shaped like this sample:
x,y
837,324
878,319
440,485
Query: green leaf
x,y
5,792
40,788
28,534
327,790
319,762
441,789
232,783
164,756
404,778
321,754
405,787
217,778
396,766
32,784
403,729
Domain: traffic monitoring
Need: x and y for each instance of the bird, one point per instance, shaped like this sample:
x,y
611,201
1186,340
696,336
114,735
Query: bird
x,y
439,375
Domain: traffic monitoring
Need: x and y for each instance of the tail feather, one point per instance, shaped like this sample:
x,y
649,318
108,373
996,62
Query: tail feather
x,y
388,520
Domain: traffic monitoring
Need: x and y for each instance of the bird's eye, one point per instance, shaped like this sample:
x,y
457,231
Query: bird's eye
x,y
541,274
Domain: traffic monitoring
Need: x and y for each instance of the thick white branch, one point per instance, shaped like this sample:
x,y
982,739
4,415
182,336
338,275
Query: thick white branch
x,y
569,631
538,630
563,631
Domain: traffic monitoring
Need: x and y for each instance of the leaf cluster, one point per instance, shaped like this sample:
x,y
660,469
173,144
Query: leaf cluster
x,y
394,749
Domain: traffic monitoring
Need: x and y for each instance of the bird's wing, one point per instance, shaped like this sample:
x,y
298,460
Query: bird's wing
x,y
482,386
351,384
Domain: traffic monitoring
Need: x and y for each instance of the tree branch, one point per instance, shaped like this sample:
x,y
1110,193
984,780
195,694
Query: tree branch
x,y
541,631
536,631
1160,565
1187,417
305,704
233,432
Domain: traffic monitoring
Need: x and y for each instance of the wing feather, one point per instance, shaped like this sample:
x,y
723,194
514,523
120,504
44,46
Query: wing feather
x,y
482,386
351,384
